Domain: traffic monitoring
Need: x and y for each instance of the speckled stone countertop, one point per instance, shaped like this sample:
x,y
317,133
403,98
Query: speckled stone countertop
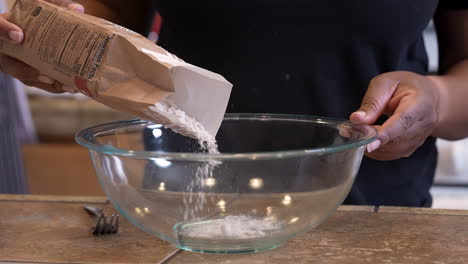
x,y
55,229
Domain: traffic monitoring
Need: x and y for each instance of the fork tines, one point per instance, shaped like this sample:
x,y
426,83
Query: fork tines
x,y
104,227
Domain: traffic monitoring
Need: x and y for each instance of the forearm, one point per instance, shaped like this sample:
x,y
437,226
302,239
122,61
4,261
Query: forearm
x,y
135,15
453,102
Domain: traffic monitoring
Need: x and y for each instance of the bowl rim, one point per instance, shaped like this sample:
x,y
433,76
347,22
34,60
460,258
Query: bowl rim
x,y
82,138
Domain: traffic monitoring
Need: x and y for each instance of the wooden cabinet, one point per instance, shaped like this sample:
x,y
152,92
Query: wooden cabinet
x,y
60,169
59,166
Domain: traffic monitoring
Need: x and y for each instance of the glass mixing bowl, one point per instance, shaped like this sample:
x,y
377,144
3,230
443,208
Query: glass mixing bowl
x,y
276,177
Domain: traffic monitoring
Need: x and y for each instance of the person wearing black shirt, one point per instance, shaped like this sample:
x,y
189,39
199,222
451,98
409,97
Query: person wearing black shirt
x,y
362,60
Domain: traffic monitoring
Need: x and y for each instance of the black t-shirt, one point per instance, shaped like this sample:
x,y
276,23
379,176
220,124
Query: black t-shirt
x,y
313,58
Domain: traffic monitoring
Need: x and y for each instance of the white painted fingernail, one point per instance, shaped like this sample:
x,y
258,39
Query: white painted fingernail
x,y
16,36
45,79
76,7
373,146
360,113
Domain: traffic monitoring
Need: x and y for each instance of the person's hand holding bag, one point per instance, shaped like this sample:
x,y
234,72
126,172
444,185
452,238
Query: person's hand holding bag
x,y
23,72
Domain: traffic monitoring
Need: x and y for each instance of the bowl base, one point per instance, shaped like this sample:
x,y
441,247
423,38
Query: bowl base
x,y
230,234
221,250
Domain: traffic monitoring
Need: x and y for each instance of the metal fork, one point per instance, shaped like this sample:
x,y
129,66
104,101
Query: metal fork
x,y
103,226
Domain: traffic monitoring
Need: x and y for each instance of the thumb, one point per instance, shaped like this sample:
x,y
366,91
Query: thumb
x,y
9,31
375,100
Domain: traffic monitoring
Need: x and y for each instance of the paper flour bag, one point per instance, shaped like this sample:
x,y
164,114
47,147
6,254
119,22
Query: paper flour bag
x,y
114,65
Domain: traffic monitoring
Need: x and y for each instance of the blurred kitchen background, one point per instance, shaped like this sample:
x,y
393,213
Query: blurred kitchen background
x,y
55,165
450,189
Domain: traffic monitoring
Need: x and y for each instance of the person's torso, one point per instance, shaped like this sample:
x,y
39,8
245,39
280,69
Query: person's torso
x,y
313,58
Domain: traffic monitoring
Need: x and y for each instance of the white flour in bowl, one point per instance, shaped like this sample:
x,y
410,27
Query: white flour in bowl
x,y
232,227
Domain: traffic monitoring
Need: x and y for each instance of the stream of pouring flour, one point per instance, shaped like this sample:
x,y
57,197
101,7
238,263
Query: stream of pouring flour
x,y
227,226
183,124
